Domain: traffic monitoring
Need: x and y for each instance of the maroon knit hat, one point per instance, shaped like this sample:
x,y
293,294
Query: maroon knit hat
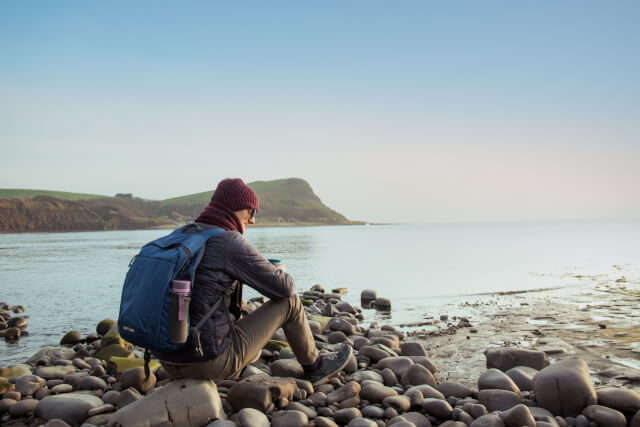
x,y
235,195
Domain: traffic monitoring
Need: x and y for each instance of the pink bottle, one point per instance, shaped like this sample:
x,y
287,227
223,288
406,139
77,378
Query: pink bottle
x,y
179,311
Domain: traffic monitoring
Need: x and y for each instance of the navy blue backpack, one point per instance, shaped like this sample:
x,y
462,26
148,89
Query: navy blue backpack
x,y
146,293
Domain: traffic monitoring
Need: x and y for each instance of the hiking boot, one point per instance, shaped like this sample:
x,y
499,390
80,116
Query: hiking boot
x,y
330,364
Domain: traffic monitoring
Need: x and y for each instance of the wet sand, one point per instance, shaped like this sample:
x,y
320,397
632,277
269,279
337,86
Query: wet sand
x,y
599,323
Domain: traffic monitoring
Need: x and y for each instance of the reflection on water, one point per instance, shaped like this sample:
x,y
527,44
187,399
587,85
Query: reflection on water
x,y
73,280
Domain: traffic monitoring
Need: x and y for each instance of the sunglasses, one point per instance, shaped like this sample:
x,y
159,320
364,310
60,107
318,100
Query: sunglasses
x,y
253,213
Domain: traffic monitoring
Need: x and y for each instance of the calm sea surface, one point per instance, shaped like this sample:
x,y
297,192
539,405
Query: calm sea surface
x,y
73,280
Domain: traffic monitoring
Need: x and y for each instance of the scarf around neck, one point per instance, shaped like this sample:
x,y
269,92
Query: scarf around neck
x,y
219,215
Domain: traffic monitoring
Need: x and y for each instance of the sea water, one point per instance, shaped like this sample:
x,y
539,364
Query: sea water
x,y
71,281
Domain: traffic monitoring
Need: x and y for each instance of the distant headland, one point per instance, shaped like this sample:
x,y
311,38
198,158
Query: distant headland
x,y
283,202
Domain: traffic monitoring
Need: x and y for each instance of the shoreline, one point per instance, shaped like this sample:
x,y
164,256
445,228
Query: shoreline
x,y
597,323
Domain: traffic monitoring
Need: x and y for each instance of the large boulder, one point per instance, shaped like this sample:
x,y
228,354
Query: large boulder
x,y
260,392
507,358
73,408
565,388
180,403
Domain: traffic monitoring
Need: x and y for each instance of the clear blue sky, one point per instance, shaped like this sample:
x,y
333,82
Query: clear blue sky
x,y
393,111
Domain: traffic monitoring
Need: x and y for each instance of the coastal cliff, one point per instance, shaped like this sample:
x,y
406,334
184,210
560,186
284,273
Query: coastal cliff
x,y
282,202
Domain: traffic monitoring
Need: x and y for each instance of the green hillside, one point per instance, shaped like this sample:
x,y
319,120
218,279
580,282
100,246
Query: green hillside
x,y
282,202
11,193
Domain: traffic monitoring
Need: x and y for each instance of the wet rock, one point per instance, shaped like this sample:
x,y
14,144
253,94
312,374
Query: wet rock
x,y
17,322
450,388
12,395
371,411
6,386
424,361
489,420
12,333
111,397
399,403
297,406
222,423
101,409
346,307
17,309
287,368
382,304
72,338
389,378
605,416
136,378
635,421
518,416
105,326
426,391
413,417
565,388
375,392
375,353
496,379
347,391
80,364
15,371
391,342
92,383
620,399
5,404
73,408
499,400
336,337
362,422
47,355
62,388
418,375
367,296
507,358
128,396
106,353
325,422
54,372
359,341
23,407
342,325
398,364
184,402
522,376
117,365
249,417
413,349
437,408
57,423
290,419
26,385
260,391
361,376
344,416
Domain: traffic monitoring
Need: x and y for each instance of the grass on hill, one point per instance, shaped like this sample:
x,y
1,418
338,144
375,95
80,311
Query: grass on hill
x,y
12,193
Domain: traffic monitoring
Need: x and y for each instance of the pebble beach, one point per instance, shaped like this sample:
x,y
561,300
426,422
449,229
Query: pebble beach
x,y
538,358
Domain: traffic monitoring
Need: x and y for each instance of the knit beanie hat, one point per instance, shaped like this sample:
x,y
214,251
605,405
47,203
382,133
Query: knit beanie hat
x,y
235,195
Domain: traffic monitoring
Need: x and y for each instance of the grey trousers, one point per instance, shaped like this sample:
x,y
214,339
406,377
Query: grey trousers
x,y
254,331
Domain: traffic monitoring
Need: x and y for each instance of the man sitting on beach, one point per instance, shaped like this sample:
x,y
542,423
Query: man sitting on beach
x,y
228,262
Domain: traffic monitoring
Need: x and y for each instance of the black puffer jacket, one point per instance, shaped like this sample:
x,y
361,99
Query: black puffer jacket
x,y
228,259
